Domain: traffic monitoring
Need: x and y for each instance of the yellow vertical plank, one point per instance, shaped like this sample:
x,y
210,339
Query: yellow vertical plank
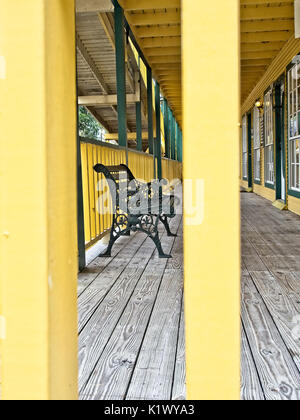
x,y
211,104
91,190
38,310
85,189
94,148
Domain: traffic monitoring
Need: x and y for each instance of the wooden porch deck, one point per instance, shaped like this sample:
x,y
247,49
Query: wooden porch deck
x,y
131,328
131,325
270,301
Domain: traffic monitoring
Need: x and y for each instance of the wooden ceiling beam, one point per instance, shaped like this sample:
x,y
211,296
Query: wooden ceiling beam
x,y
106,100
133,5
255,55
173,41
266,36
262,2
168,59
267,12
157,52
262,46
267,25
144,19
255,63
158,31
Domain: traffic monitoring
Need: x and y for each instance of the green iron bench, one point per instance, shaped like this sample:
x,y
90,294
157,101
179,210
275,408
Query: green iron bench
x,y
137,206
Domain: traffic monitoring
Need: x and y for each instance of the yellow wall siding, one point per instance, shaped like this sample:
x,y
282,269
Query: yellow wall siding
x,y
294,204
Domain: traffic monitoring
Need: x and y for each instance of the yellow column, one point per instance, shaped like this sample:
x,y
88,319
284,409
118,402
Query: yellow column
x,y
38,255
211,157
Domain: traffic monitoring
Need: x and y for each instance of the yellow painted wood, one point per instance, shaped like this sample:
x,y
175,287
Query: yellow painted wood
x,y
212,242
163,18
294,204
38,206
150,5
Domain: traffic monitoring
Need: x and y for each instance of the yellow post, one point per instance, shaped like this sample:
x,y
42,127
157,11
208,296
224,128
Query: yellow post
x,y
38,200
211,160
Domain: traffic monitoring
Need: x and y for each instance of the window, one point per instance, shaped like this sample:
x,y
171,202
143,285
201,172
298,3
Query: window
x,y
256,128
245,148
269,143
294,125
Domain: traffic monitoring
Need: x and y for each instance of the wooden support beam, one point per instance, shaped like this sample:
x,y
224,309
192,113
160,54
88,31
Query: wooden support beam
x,y
212,284
165,31
90,62
130,136
38,224
162,42
267,12
106,100
161,18
132,5
84,6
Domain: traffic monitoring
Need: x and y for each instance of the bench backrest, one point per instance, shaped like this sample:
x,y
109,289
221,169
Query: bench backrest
x,y
120,176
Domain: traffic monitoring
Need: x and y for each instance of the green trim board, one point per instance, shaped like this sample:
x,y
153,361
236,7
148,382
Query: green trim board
x,y
157,148
150,110
139,142
294,193
165,110
80,207
249,138
121,73
270,186
257,182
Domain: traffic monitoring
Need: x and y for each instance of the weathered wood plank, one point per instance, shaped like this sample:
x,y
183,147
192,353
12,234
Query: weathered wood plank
x,y
278,373
281,308
105,319
179,383
251,389
112,374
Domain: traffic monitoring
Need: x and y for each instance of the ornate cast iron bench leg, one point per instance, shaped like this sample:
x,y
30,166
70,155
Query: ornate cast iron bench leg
x,y
151,229
164,220
116,232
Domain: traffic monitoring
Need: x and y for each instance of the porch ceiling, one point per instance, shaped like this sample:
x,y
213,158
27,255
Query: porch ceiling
x,y
266,25
156,25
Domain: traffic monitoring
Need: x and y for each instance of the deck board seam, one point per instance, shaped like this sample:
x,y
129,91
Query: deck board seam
x,y
149,319
109,289
253,358
122,312
266,304
111,260
177,345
